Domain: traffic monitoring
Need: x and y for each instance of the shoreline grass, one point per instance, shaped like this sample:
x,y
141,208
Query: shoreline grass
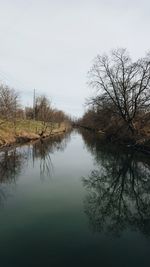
x,y
27,130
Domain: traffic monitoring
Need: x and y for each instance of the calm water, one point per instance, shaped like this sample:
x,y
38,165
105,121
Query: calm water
x,y
74,201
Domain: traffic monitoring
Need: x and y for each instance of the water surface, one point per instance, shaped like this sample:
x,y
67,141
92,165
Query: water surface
x,y
74,201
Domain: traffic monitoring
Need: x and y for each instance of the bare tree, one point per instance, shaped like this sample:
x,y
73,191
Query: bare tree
x,y
42,108
122,85
44,112
9,103
29,113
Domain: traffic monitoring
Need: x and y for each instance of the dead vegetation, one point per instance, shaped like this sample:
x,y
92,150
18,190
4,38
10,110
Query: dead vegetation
x,y
27,130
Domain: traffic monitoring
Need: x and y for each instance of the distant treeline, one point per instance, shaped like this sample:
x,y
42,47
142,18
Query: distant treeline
x,y
42,110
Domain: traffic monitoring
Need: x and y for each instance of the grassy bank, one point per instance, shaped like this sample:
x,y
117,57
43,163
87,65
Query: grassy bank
x,y
26,130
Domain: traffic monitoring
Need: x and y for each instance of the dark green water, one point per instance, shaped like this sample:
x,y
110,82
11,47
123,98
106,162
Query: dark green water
x,y
74,201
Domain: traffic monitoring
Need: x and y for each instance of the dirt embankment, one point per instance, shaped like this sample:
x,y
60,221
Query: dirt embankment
x,y
27,131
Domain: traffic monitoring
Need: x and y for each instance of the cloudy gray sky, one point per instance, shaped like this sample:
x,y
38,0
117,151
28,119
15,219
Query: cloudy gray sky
x,y
49,45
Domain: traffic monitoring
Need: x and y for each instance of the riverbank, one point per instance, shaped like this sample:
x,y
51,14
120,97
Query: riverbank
x,y
138,141
23,131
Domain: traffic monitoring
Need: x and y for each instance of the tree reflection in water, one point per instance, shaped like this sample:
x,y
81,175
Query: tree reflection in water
x,y
118,189
10,167
14,160
43,149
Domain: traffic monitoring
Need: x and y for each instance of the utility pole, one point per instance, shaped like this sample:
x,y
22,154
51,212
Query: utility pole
x,y
34,104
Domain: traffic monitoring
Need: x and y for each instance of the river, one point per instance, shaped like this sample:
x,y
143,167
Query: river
x,y
74,200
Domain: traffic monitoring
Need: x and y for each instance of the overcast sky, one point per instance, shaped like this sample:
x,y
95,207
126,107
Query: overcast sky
x,y
49,45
